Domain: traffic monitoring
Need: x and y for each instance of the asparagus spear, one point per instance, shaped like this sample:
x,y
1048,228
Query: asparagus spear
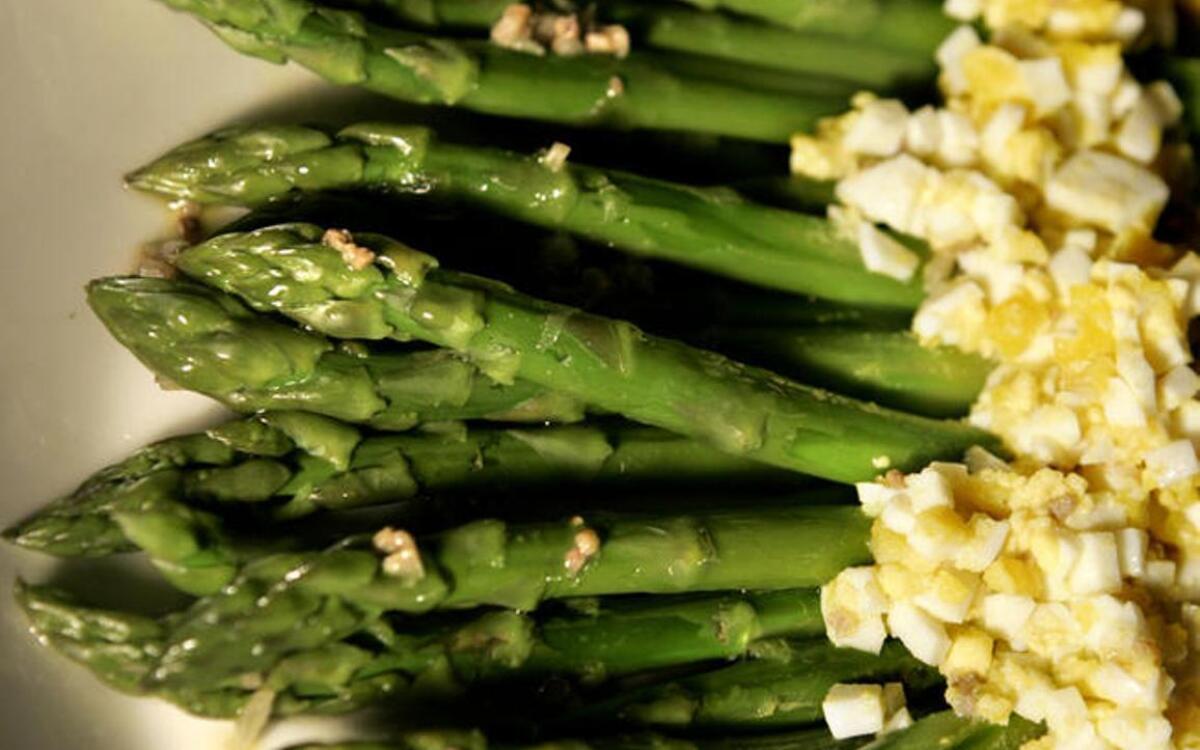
x,y
1185,74
210,343
164,498
121,649
781,689
889,60
726,38
709,229
597,640
805,739
632,93
867,354
943,731
615,638
663,296
609,364
292,603
427,740
888,367
893,24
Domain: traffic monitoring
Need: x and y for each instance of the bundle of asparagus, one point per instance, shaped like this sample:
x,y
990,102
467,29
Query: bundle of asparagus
x,y
771,80
541,514
327,624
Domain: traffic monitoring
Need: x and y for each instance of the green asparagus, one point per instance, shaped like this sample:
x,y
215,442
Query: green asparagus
x,y
198,338
1185,74
440,739
730,40
888,367
121,649
867,354
663,296
168,498
781,689
943,731
208,342
609,639
916,25
294,602
601,639
709,229
189,546
635,92
609,364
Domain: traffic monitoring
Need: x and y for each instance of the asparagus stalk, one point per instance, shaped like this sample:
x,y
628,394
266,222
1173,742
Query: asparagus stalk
x,y
883,63
867,354
1185,74
614,638
292,603
791,192
808,739
726,38
121,648
594,641
632,93
943,731
210,343
750,75
440,739
609,364
783,688
888,367
813,739
917,26
165,499
708,229
561,268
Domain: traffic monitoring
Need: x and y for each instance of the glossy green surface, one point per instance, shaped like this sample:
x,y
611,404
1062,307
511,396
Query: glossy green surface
x,y
168,498
204,341
888,367
1185,74
939,731
730,41
782,688
608,364
289,603
915,25
710,229
596,90
607,640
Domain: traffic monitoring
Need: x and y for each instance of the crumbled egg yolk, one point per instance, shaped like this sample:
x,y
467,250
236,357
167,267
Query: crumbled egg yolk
x,y
1064,585
1032,594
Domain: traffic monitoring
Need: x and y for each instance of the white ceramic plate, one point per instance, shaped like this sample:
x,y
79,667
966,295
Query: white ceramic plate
x,y
87,91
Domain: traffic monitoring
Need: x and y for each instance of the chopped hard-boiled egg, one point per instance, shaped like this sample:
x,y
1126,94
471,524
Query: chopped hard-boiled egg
x,y
923,635
857,710
884,254
853,710
1063,585
852,606
1021,612
1106,191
